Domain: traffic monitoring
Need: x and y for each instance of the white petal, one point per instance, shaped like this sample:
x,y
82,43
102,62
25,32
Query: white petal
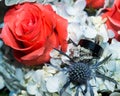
x,y
104,33
115,94
49,70
50,0
2,84
54,83
60,9
24,93
89,32
19,74
96,20
54,54
118,66
12,93
70,10
111,66
110,85
38,94
32,89
37,76
99,82
80,5
114,41
56,62
111,34
74,32
13,2
29,74
22,1
67,2
114,49
117,76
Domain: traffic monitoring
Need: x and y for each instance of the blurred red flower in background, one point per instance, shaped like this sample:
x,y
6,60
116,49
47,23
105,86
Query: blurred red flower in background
x,y
95,3
0,30
113,18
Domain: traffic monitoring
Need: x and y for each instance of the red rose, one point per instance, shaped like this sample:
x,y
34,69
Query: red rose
x,y
113,18
95,3
0,30
32,30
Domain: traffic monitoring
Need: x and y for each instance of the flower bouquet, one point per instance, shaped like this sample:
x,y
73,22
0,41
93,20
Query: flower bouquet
x,y
60,47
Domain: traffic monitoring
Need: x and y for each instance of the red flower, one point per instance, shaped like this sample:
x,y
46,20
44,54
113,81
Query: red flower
x,y
0,30
113,18
95,3
32,30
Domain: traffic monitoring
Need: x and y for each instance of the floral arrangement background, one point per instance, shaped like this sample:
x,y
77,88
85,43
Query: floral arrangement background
x,y
31,29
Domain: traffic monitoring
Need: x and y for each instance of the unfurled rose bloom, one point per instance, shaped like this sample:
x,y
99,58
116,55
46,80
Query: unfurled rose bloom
x,y
32,30
113,18
95,3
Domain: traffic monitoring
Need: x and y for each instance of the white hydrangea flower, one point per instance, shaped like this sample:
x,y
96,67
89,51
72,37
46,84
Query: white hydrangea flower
x,y
32,89
13,2
35,82
104,33
48,79
111,68
71,11
111,34
114,49
74,32
23,93
55,62
97,21
54,83
49,71
109,85
2,83
88,32
19,74
54,54
115,94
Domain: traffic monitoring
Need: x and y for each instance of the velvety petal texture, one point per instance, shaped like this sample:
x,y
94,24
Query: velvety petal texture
x,y
113,18
95,3
32,30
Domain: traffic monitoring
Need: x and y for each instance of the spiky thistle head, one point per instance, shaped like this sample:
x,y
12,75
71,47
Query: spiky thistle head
x,y
79,73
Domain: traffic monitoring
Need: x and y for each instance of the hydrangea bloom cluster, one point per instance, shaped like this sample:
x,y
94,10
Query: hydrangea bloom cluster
x,y
49,79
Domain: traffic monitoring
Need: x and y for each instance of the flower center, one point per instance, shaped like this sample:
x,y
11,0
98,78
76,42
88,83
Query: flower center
x,y
79,73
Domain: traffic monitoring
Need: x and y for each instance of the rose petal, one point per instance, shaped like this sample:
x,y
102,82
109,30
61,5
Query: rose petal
x,y
61,25
95,4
